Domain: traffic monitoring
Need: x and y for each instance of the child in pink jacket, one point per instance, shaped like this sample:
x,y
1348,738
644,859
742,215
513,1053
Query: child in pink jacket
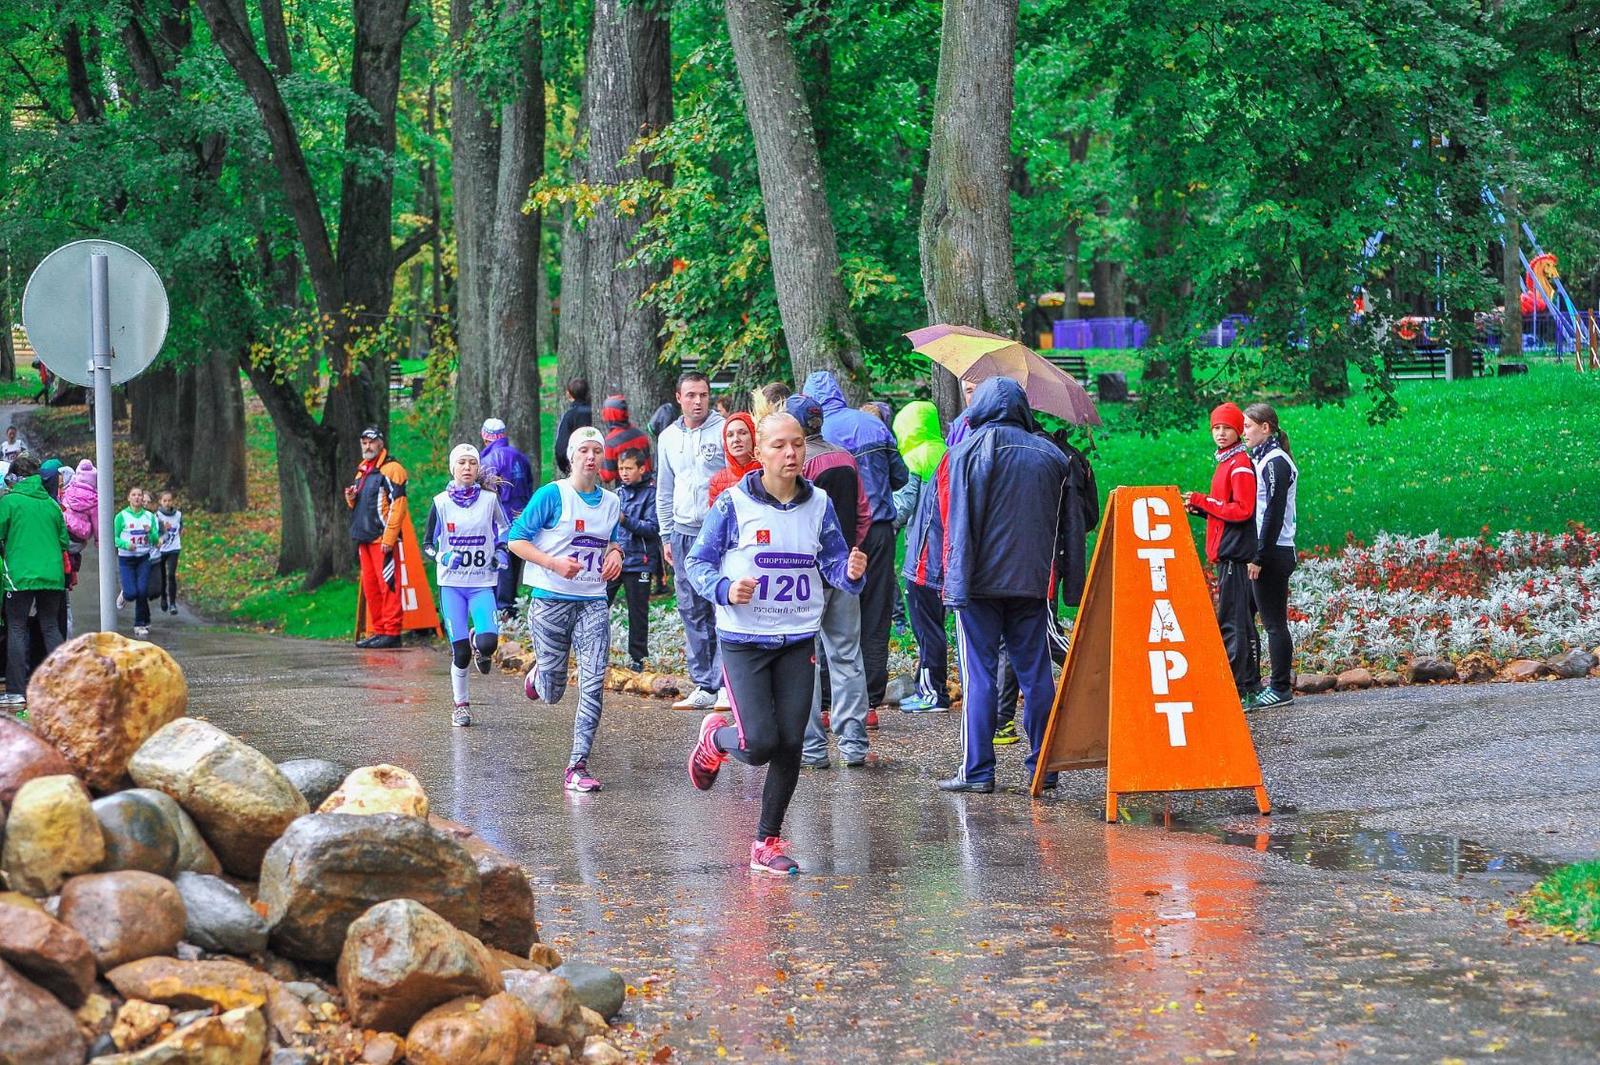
x,y
80,500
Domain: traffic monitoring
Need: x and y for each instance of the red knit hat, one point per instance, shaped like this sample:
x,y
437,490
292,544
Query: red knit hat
x,y
1230,415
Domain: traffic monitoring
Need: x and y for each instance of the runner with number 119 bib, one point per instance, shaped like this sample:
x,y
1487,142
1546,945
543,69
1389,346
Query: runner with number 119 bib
x,y
568,533
763,554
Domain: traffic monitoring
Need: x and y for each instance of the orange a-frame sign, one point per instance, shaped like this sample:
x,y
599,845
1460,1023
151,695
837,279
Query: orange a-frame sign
x,y
417,610
1146,691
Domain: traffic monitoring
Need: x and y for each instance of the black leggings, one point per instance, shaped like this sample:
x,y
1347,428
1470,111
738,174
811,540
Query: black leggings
x,y
164,574
1272,603
770,689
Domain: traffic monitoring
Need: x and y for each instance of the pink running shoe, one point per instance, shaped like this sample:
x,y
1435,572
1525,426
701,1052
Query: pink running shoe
x,y
528,687
705,760
578,779
768,859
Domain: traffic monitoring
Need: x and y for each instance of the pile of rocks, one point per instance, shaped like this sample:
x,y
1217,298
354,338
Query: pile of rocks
x,y
198,910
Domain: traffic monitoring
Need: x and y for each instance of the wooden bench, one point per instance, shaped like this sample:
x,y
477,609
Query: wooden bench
x,y
1426,363
1072,362
402,388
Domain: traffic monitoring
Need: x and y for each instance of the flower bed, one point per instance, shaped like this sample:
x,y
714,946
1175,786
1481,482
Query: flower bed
x,y
1512,596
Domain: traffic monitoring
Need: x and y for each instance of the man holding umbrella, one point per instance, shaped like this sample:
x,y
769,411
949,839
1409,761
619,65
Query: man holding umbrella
x,y
1003,510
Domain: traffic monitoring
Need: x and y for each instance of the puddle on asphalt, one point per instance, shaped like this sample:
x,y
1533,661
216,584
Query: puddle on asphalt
x,y
1339,841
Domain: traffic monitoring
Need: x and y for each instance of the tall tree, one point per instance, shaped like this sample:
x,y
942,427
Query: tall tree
x,y
353,281
497,152
817,325
606,327
967,272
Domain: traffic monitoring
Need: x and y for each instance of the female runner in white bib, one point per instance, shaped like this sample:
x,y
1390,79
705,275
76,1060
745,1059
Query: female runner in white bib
x,y
763,554
467,536
568,532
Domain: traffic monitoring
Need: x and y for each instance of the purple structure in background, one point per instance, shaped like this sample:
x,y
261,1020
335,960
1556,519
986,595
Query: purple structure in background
x,y
1079,334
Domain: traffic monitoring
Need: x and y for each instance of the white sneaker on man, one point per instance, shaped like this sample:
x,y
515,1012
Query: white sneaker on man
x,y
699,699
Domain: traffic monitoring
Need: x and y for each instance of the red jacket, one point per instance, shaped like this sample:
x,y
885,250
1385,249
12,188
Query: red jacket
x,y
1230,509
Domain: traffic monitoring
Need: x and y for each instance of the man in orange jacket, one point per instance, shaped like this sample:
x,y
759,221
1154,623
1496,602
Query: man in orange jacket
x,y
377,501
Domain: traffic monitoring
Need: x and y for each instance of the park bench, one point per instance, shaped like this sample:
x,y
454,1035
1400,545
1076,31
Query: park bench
x,y
1072,362
1426,363
400,387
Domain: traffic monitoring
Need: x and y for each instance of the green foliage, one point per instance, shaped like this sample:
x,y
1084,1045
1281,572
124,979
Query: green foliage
x,y
1569,900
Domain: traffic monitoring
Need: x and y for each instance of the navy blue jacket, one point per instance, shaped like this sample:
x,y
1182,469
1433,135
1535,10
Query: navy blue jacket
x,y
1004,508
637,532
866,437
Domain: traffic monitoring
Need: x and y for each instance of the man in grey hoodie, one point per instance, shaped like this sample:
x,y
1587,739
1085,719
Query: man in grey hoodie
x,y
689,452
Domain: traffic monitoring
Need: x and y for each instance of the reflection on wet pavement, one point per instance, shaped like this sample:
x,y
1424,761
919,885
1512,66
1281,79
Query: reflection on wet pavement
x,y
1339,841
931,927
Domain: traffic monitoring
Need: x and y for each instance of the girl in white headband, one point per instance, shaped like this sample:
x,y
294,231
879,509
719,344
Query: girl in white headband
x,y
467,536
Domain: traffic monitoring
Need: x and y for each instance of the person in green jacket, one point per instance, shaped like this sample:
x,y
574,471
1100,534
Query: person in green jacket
x,y
921,440
33,544
134,533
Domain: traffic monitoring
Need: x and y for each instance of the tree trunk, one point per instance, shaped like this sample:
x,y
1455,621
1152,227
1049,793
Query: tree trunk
x,y
627,95
353,289
497,152
297,517
1511,279
1072,237
8,350
968,276
817,326
216,475
572,344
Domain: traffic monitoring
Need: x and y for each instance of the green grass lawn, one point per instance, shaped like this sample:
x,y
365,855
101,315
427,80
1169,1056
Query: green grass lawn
x,y
1509,452
1569,900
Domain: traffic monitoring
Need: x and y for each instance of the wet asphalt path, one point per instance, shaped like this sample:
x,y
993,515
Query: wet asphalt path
x,y
1366,920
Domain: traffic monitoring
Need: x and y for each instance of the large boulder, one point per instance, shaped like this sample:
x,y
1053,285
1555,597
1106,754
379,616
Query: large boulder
x,y
555,1006
498,1030
315,778
35,1029
51,954
137,834
401,959
235,794
218,917
221,982
51,834
238,1037
23,756
505,901
124,916
329,869
100,696
378,789
194,853
601,989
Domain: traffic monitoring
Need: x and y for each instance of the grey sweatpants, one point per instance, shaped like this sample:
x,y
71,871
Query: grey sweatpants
x,y
839,639
699,618
559,626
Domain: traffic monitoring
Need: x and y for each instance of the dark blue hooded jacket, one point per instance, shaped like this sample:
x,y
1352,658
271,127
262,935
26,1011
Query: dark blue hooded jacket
x,y
1003,510
864,436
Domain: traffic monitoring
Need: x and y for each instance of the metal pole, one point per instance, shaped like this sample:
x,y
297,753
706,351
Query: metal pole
x,y
100,354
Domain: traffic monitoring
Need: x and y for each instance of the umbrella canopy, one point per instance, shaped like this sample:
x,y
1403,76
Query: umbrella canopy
x,y
974,355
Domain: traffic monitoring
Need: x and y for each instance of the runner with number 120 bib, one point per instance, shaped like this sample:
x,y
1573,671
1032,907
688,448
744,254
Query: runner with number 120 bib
x,y
763,554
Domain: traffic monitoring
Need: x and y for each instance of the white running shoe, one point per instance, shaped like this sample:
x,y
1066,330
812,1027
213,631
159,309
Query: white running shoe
x,y
140,631
461,716
699,699
723,701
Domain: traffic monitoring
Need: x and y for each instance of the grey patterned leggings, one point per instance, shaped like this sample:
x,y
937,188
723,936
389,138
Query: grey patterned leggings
x,y
559,625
